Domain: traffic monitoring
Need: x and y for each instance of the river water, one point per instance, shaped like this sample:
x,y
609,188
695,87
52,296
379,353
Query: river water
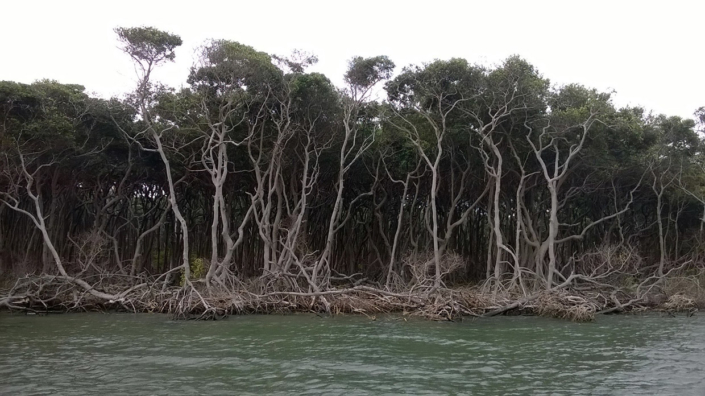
x,y
124,354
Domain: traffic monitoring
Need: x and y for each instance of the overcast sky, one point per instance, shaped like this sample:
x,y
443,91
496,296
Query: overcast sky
x,y
650,52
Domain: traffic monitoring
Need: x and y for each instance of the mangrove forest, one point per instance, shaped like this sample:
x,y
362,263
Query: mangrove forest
x,y
444,189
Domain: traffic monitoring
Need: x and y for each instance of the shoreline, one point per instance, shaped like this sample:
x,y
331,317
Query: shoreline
x,y
445,304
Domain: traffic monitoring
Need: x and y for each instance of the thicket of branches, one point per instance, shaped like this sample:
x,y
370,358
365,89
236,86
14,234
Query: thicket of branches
x,y
259,169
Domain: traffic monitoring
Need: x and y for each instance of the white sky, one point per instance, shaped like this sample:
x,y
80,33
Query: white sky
x,y
650,52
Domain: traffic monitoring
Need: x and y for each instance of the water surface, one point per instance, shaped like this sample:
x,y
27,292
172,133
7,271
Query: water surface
x,y
116,354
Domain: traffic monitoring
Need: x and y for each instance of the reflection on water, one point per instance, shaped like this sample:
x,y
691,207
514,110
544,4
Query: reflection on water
x,y
115,354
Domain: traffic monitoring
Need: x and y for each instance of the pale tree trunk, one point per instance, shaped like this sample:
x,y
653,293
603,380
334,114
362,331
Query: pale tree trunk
x,y
552,233
145,62
659,187
553,179
53,206
137,252
309,177
217,166
414,235
499,239
31,187
520,250
324,260
495,170
400,219
434,214
490,234
349,154
439,129
156,136
266,198
458,195
175,208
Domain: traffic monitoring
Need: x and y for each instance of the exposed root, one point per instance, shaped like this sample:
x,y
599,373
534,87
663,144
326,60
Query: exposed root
x,y
563,305
421,267
577,298
679,303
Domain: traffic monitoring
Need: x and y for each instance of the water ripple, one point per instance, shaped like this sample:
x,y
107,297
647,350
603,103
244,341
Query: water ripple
x,y
302,354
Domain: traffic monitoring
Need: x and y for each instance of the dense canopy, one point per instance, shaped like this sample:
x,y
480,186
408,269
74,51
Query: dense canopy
x,y
257,168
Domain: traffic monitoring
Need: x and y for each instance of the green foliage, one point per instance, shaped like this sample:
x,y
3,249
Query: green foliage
x,y
678,136
199,268
226,67
47,114
148,44
314,93
437,83
274,116
366,72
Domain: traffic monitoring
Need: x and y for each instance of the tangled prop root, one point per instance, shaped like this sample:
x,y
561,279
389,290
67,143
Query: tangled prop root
x,y
562,305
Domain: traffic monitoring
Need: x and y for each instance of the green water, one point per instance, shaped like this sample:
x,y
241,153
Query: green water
x,y
116,354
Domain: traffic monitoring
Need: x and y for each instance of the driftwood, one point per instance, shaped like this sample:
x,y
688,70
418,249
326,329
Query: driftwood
x,y
612,285
578,297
